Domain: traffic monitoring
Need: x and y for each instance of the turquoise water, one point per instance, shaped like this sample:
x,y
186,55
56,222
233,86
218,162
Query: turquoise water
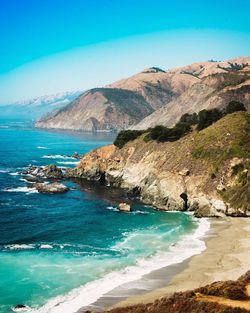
x,y
52,244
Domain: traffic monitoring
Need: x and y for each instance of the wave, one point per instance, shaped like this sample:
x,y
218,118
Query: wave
x,y
21,189
19,247
87,294
42,147
112,208
46,246
20,309
4,171
68,162
58,156
140,212
24,246
14,174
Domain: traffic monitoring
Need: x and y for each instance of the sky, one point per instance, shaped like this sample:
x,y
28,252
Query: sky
x,y
50,46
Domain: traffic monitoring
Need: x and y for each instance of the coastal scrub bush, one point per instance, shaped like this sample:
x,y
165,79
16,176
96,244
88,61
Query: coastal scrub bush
x,y
234,106
161,133
191,119
125,136
208,117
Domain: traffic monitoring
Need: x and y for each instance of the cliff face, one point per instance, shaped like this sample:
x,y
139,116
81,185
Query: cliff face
x,y
125,103
197,171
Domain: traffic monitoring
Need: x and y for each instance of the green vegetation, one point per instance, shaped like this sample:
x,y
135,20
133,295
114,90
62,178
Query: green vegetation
x,y
227,139
234,106
161,133
238,195
125,136
208,117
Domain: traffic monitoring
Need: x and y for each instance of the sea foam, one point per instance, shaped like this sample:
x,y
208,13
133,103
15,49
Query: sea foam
x,y
188,246
58,156
21,189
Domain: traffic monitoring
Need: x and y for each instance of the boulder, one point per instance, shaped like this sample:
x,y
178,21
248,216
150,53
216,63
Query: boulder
x,y
204,207
184,172
52,171
51,188
20,308
76,155
221,187
124,207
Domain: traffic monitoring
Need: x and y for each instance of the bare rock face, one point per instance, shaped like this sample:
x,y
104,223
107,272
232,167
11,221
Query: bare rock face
x,y
171,175
51,188
52,171
124,207
39,173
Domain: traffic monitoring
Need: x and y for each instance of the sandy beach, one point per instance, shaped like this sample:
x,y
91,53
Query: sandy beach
x,y
226,257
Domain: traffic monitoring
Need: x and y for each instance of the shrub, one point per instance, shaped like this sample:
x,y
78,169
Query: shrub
x,y
234,106
191,119
125,136
208,117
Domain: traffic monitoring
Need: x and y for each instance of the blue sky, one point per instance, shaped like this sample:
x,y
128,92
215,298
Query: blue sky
x,y
50,46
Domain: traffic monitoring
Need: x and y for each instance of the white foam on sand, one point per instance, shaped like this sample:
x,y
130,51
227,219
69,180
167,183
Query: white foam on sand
x,y
87,294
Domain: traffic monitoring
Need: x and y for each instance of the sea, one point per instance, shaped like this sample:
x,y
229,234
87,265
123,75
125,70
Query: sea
x,y
61,252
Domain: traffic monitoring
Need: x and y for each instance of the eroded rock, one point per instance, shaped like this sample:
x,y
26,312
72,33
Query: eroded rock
x,y
51,188
124,207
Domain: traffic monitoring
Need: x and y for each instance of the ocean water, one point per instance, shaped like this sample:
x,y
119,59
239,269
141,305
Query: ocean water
x,y
61,252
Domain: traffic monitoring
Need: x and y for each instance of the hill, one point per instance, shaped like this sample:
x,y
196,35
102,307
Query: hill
x,y
155,96
205,171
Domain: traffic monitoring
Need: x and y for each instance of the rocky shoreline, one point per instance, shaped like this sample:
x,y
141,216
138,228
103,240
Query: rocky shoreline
x,y
205,172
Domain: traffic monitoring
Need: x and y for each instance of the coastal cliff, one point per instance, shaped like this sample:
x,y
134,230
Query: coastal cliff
x,y
205,171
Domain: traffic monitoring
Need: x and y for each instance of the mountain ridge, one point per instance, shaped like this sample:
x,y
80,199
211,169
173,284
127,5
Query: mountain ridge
x,y
158,96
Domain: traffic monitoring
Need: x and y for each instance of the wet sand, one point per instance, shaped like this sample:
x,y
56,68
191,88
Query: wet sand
x,y
226,257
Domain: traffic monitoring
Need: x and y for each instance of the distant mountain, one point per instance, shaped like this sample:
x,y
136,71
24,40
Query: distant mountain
x,y
155,96
122,104
218,84
39,106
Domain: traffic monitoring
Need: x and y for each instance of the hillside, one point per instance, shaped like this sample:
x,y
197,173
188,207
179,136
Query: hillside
x,y
120,105
215,90
206,171
100,109
155,96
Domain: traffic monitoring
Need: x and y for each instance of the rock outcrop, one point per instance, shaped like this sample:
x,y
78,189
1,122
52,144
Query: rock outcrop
x,y
183,174
124,207
51,188
38,173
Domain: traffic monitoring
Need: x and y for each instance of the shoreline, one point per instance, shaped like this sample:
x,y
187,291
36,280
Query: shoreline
x,y
173,263
226,257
